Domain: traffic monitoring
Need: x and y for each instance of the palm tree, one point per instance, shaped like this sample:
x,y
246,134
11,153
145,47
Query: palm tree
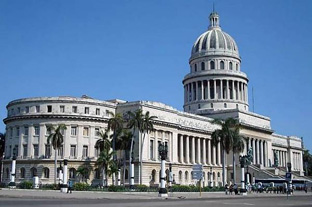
x,y
56,138
115,124
238,146
134,123
146,127
2,144
113,169
83,171
104,160
104,141
123,142
224,137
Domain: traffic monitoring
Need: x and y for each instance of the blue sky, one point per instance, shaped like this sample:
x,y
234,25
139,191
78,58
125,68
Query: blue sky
x,y
139,50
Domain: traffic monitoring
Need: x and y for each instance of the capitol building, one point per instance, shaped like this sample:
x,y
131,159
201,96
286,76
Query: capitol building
x,y
215,87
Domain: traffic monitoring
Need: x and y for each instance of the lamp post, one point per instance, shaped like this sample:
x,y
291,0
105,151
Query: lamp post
x,y
289,178
131,172
210,183
13,169
163,150
64,185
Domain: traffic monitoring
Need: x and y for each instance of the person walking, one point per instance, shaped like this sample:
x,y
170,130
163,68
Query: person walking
x,y
70,186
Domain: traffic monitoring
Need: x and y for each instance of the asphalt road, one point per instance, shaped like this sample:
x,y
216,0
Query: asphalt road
x,y
296,201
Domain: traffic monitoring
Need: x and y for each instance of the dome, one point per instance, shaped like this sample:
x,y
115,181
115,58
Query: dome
x,y
214,41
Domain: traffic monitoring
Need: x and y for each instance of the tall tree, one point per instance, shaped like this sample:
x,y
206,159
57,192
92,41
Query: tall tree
x,y
83,171
56,138
103,141
307,162
238,146
224,136
134,123
105,158
2,144
146,127
123,143
115,124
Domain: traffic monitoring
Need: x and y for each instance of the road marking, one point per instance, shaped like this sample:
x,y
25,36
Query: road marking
x,y
246,204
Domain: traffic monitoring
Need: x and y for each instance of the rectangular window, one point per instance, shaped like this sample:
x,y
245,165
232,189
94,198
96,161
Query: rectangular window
x,y
11,132
25,150
60,151
36,150
62,109
86,110
10,150
37,130
97,111
74,109
159,142
96,151
49,108
15,150
97,132
85,151
86,131
12,112
17,131
48,130
151,149
47,152
73,150
27,109
18,110
26,130
37,109
73,131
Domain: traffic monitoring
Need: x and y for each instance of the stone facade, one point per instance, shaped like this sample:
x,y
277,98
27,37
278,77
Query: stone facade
x,y
215,88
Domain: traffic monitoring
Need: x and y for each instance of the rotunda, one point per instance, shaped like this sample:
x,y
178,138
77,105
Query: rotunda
x,y
215,81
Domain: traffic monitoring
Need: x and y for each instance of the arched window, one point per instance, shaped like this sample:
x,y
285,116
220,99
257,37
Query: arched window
x,y
46,172
231,66
214,176
180,176
58,172
221,65
22,172
211,105
186,176
225,105
218,174
72,173
203,66
7,173
97,173
192,175
237,67
212,65
33,172
153,175
126,174
195,67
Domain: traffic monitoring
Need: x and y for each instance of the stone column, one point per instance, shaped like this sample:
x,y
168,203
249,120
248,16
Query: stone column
x,y
238,92
198,151
227,89
30,141
215,88
264,154
254,150
208,89
233,90
221,88
156,146
209,152
192,91
246,93
202,90
197,91
214,155
219,153
193,150
187,149
204,152
260,152
181,149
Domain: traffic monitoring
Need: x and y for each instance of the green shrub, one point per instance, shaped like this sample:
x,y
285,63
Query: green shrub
x,y
3,185
81,187
114,188
50,187
26,185
141,188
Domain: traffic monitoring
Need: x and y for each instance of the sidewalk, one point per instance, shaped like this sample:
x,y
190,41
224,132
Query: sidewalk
x,y
50,194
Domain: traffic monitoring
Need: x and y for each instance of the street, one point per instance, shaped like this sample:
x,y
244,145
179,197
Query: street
x,y
297,201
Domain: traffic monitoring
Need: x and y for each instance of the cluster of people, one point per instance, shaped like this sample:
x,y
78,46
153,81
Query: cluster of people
x,y
229,189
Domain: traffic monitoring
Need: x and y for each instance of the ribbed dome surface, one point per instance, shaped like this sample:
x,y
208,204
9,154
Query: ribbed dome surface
x,y
214,41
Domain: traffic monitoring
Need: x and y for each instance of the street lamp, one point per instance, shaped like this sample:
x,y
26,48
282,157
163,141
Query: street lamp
x,y
163,150
13,169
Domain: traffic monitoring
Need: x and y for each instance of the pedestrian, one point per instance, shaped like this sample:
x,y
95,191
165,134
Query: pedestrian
x,y
306,188
70,186
231,189
226,189
235,189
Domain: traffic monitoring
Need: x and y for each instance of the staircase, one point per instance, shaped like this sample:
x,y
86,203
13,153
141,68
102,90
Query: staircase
x,y
263,173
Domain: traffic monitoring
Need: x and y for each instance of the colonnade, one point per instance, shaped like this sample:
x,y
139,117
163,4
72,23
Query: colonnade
x,y
215,89
297,161
260,151
198,150
281,156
